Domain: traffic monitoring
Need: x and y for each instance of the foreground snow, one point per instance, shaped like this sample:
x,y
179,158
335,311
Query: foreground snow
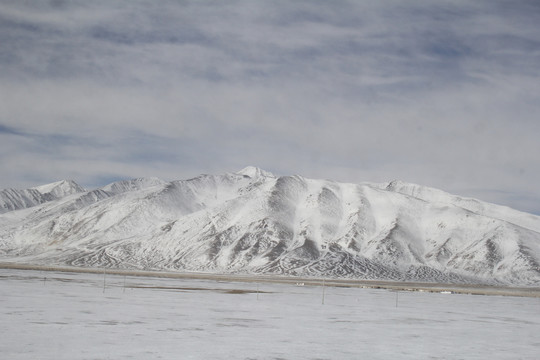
x,y
50,315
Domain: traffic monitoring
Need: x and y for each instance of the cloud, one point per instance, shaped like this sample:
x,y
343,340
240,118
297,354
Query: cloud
x,y
441,94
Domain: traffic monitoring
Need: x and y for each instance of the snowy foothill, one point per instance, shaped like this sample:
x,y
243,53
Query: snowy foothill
x,y
59,315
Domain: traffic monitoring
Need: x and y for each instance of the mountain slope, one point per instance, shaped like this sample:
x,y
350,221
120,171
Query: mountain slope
x,y
252,221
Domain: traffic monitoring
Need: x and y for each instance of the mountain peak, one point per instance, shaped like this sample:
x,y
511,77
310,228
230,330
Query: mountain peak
x,y
254,172
60,188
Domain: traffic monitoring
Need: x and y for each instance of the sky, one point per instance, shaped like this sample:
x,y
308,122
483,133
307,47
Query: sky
x,y
439,93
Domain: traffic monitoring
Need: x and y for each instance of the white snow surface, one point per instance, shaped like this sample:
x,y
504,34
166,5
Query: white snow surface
x,y
254,222
49,315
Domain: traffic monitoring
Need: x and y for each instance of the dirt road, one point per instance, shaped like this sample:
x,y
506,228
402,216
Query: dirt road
x,y
301,281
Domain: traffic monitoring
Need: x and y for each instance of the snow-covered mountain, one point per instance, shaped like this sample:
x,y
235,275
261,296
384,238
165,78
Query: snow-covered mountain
x,y
254,222
12,199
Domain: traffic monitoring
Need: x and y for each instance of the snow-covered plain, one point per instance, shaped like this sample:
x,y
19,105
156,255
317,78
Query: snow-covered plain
x,y
53,315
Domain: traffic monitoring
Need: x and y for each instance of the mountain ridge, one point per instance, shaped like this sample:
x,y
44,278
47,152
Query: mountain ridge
x,y
252,221
15,199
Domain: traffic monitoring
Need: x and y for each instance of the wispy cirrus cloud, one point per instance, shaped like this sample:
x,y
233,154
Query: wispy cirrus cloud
x,y
442,94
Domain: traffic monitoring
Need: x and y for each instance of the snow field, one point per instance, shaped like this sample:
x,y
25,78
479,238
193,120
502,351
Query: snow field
x,y
52,315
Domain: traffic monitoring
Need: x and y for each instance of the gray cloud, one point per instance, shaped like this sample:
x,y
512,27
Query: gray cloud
x,y
442,94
